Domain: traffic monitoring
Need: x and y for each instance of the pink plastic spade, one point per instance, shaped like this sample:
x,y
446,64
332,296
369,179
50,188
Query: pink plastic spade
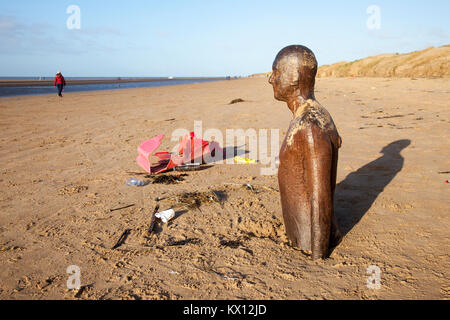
x,y
147,149
191,149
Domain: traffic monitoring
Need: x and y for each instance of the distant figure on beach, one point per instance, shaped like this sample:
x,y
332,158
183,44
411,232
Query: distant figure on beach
x,y
60,83
308,156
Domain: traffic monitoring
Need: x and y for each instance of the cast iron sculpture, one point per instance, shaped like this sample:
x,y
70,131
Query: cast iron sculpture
x,y
308,156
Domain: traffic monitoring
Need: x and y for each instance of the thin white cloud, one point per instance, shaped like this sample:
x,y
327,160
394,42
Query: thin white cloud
x,y
42,38
438,33
101,31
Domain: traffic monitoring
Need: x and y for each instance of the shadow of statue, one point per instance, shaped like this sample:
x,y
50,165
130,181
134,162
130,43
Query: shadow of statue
x,y
357,192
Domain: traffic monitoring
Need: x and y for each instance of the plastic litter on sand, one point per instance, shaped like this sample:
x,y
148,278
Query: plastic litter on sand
x,y
165,216
134,182
241,160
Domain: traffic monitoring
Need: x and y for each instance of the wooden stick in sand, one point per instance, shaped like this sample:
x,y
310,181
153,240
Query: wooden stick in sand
x,y
125,207
153,219
122,239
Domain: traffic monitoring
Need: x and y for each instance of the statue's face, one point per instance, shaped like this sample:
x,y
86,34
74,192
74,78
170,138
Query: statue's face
x,y
284,79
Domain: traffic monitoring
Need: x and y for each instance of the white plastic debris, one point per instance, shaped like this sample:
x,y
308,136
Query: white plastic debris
x,y
165,216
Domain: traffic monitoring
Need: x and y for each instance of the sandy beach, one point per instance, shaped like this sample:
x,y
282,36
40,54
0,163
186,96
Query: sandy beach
x,y
65,163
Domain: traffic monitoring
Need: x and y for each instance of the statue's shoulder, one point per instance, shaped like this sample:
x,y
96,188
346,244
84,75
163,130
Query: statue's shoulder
x,y
312,113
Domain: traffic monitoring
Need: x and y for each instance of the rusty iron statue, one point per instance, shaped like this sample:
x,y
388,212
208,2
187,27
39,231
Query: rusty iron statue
x,y
308,156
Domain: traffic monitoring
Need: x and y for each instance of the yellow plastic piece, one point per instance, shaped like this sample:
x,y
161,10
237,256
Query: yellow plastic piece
x,y
241,160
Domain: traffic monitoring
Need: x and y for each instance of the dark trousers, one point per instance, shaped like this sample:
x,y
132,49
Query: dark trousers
x,y
60,88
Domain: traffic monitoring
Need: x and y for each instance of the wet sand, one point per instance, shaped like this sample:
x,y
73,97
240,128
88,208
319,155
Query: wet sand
x,y
75,82
65,163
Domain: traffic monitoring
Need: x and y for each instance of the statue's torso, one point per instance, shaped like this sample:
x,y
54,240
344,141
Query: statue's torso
x,y
311,121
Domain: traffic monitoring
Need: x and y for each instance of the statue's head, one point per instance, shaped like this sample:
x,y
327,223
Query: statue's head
x,y
293,73
394,148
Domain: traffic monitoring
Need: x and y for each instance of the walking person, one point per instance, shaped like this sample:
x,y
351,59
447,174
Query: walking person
x,y
60,83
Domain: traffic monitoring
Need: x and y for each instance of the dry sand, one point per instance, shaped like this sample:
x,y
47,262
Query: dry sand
x,y
65,162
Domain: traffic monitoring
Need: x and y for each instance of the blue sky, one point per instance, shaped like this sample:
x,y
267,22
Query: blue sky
x,y
205,38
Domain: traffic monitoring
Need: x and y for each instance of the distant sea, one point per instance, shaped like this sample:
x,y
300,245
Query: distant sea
x,y
33,90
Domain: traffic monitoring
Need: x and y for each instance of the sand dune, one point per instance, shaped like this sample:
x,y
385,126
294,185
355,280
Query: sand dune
x,y
428,63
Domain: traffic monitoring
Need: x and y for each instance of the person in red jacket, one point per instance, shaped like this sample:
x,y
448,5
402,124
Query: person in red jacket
x,y
60,82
